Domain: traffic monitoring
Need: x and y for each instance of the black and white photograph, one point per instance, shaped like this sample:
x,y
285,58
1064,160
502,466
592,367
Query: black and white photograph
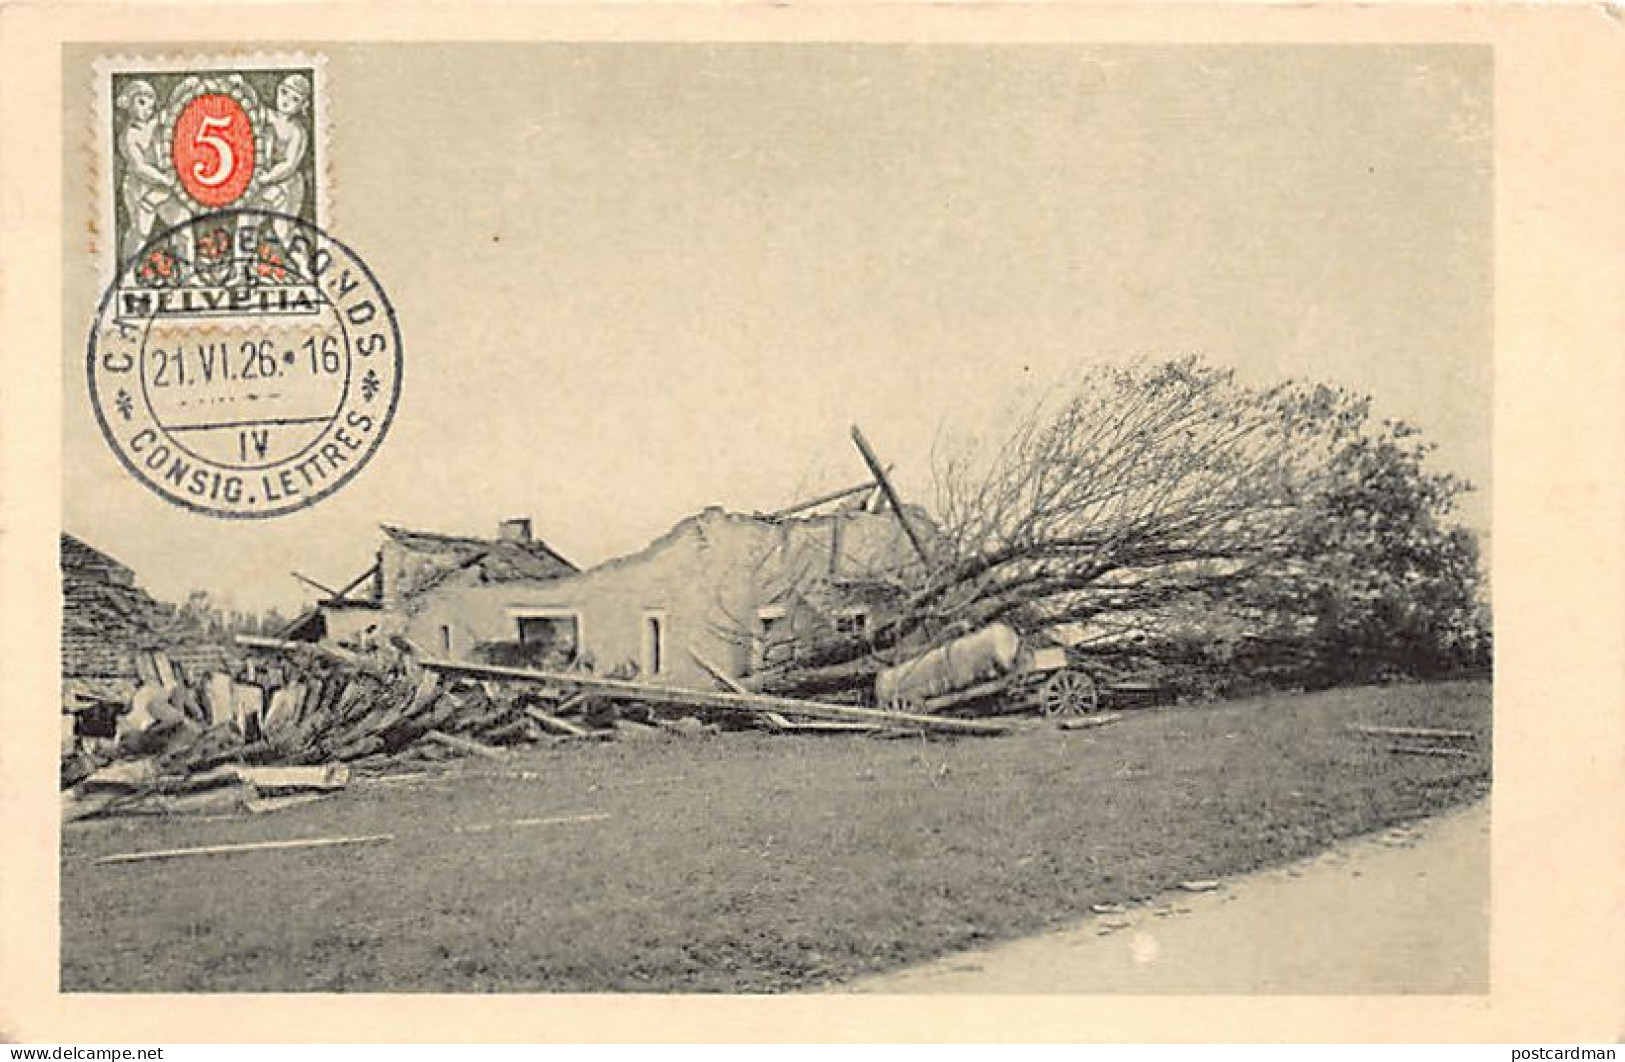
x,y
723,516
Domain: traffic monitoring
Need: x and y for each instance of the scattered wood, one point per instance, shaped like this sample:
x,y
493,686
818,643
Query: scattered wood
x,y
130,774
408,778
283,709
348,587
228,798
635,731
561,820
884,482
165,671
822,499
218,698
82,804
275,726
816,726
687,726
1087,722
554,723
232,849
308,581
248,706
701,699
1415,732
325,777
331,652
262,805
1204,885
462,744
1429,750
723,678
571,704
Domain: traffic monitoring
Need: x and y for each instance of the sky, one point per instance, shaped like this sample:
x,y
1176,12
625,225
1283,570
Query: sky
x,y
635,280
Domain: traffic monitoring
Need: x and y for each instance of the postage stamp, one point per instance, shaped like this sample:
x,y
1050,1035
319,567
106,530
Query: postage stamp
x,y
244,364
182,137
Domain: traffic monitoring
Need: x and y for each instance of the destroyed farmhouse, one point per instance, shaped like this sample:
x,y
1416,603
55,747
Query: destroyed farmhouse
x,y
108,622
739,591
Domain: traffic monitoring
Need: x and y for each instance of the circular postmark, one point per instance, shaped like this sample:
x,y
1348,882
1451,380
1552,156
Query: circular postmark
x,y
244,364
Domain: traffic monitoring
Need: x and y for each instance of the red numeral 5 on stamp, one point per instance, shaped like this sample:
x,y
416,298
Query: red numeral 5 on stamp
x,y
213,149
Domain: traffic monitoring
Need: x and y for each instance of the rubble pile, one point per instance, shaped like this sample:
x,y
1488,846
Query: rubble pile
x,y
290,720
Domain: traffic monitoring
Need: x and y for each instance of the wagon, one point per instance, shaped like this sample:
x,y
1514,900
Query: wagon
x,y
991,670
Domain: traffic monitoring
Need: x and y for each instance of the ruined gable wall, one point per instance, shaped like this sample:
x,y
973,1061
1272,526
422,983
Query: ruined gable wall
x,y
701,576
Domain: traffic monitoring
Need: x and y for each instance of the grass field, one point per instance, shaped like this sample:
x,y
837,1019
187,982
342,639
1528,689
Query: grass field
x,y
746,862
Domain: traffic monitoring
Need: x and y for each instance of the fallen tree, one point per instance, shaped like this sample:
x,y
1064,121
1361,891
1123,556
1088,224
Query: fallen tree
x,y
1153,506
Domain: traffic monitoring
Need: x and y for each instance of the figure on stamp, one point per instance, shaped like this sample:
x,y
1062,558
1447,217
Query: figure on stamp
x,y
280,185
149,187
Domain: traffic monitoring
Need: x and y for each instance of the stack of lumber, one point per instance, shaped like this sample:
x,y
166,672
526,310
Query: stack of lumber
x,y
181,743
141,786
1422,740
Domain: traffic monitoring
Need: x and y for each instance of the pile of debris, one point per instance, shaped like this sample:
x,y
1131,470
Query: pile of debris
x,y
293,718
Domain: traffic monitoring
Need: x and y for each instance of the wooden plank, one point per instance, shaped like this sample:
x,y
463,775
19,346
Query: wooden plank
x,y
772,720
283,711
256,641
986,689
686,726
569,703
1416,732
77,804
822,499
1087,722
462,744
145,670
884,480
753,702
164,668
325,776
229,849
308,581
562,820
1429,750
775,720
817,726
553,722
344,592
247,707
722,677
261,805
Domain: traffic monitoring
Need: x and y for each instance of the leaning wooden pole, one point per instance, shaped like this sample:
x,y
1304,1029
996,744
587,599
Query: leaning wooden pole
x,y
890,491
621,689
308,581
822,499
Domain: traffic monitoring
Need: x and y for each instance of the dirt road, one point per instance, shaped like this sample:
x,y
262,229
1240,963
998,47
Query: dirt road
x,y
1405,911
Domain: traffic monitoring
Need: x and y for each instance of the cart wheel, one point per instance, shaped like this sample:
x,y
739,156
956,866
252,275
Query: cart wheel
x,y
1068,693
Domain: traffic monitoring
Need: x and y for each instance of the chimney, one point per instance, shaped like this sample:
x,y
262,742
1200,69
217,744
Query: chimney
x,y
514,530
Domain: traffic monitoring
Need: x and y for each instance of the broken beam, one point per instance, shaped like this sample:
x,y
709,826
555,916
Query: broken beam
x,y
1428,750
308,581
722,677
226,849
886,487
553,722
774,720
462,744
1415,732
823,499
357,581
256,641
621,689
